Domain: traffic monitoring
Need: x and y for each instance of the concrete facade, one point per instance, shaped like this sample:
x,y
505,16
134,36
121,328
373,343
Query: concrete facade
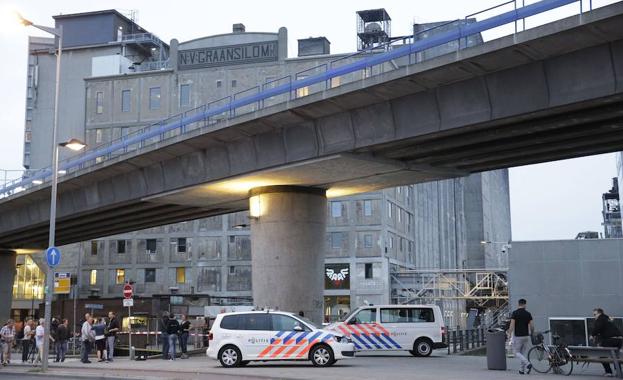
x,y
7,276
288,226
567,278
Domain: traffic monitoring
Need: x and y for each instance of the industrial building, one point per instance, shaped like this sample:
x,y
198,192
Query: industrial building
x,y
118,78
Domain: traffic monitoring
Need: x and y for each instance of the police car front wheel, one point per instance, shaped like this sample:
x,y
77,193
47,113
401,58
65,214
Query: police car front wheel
x,y
230,356
322,356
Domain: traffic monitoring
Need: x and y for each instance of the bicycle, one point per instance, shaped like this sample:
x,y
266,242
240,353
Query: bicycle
x,y
556,357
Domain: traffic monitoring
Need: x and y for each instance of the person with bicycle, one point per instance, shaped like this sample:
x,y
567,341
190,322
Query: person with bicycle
x,y
519,331
606,334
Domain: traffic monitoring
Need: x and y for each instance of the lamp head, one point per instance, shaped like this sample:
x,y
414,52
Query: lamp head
x,y
73,144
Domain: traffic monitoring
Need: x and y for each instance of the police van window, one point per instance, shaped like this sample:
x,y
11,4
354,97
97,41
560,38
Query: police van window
x,y
285,323
230,322
407,315
365,316
422,315
256,321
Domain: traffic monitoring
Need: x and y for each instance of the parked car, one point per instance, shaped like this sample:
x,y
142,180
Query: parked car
x,y
240,337
418,329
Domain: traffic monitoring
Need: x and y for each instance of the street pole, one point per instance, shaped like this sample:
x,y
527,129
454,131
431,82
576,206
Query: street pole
x,y
51,240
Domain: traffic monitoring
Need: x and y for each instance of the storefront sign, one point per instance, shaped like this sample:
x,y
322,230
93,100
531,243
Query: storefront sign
x,y
62,282
227,55
337,276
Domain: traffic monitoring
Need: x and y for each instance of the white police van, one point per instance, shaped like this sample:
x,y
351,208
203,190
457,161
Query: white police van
x,y
418,329
240,337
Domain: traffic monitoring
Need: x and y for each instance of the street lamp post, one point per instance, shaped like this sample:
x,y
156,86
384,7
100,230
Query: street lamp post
x,y
72,144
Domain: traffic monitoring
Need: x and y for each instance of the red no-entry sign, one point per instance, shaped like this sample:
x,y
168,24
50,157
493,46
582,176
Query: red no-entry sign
x,y
127,291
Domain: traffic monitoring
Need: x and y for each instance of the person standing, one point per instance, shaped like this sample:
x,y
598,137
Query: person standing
x,y
205,332
99,328
520,329
86,337
113,328
164,324
62,336
27,340
173,328
39,332
7,336
184,333
606,334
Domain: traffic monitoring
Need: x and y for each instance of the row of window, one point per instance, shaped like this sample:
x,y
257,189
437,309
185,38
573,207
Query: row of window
x,y
149,276
337,207
396,315
151,245
261,321
154,97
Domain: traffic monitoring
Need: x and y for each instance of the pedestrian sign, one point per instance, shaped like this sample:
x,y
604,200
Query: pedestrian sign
x,y
53,256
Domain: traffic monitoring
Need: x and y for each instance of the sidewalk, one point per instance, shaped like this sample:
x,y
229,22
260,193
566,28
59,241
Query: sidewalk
x,y
365,366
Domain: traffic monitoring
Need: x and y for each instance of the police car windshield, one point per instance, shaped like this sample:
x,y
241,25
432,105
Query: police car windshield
x,y
344,318
308,322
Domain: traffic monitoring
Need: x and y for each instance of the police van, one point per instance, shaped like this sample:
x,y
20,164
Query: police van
x,y
418,329
240,337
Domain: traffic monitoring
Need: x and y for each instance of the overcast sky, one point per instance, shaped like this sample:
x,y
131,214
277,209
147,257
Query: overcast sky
x,y
548,201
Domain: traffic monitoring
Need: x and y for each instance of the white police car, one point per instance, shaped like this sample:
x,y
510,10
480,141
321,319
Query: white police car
x,y
240,337
418,329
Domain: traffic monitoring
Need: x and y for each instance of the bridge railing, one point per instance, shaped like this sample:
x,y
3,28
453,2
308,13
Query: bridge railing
x,y
338,72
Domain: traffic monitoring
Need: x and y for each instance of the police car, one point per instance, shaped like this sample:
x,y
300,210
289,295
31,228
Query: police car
x,y
418,329
240,337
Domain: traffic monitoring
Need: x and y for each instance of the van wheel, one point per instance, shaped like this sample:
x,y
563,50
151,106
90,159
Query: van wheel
x,y
322,356
422,348
230,356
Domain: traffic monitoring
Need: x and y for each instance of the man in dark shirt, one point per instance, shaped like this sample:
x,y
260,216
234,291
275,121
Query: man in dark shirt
x,y
163,325
62,336
112,328
606,334
173,328
521,326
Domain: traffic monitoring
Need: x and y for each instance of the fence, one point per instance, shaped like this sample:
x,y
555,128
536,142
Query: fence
x,y
465,340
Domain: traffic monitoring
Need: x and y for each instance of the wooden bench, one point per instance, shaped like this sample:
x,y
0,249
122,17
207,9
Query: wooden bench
x,y
598,355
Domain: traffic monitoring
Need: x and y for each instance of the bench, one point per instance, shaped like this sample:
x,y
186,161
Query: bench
x,y
598,355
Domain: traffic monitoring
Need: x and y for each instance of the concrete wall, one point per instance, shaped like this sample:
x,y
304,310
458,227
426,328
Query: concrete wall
x,y
567,278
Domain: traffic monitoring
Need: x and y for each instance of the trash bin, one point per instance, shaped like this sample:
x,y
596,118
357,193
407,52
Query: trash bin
x,y
496,350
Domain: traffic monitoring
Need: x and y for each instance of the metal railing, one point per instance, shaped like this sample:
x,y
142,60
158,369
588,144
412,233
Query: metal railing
x,y
346,69
459,341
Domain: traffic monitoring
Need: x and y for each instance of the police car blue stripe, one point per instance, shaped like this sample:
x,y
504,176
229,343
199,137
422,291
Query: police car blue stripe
x,y
391,341
354,336
287,338
371,341
327,337
379,339
357,346
300,338
316,335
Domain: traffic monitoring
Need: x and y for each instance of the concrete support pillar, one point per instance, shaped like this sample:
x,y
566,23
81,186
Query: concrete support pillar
x,y
288,228
7,278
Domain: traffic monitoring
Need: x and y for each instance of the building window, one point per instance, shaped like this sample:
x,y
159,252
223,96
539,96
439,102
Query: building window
x,y
336,240
99,102
219,83
303,91
232,270
154,98
98,136
28,114
120,276
180,275
391,242
399,214
150,245
369,273
185,95
93,277
150,275
93,247
181,245
125,101
336,82
367,208
234,83
389,209
367,241
336,209
120,246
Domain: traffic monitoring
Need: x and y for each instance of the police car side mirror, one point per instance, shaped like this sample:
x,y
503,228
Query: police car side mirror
x,y
298,328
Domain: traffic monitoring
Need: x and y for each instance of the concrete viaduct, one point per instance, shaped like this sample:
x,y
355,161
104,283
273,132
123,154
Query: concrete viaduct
x,y
548,93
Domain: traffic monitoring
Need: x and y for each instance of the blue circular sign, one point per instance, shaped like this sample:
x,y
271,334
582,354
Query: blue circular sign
x,y
53,256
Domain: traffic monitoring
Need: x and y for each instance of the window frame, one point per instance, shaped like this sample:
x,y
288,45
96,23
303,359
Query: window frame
x,y
151,280
353,318
187,102
155,246
119,273
93,277
368,268
153,97
336,209
178,271
367,207
99,102
121,243
126,101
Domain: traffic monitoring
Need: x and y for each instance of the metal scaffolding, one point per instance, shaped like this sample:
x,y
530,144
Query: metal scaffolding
x,y
483,289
